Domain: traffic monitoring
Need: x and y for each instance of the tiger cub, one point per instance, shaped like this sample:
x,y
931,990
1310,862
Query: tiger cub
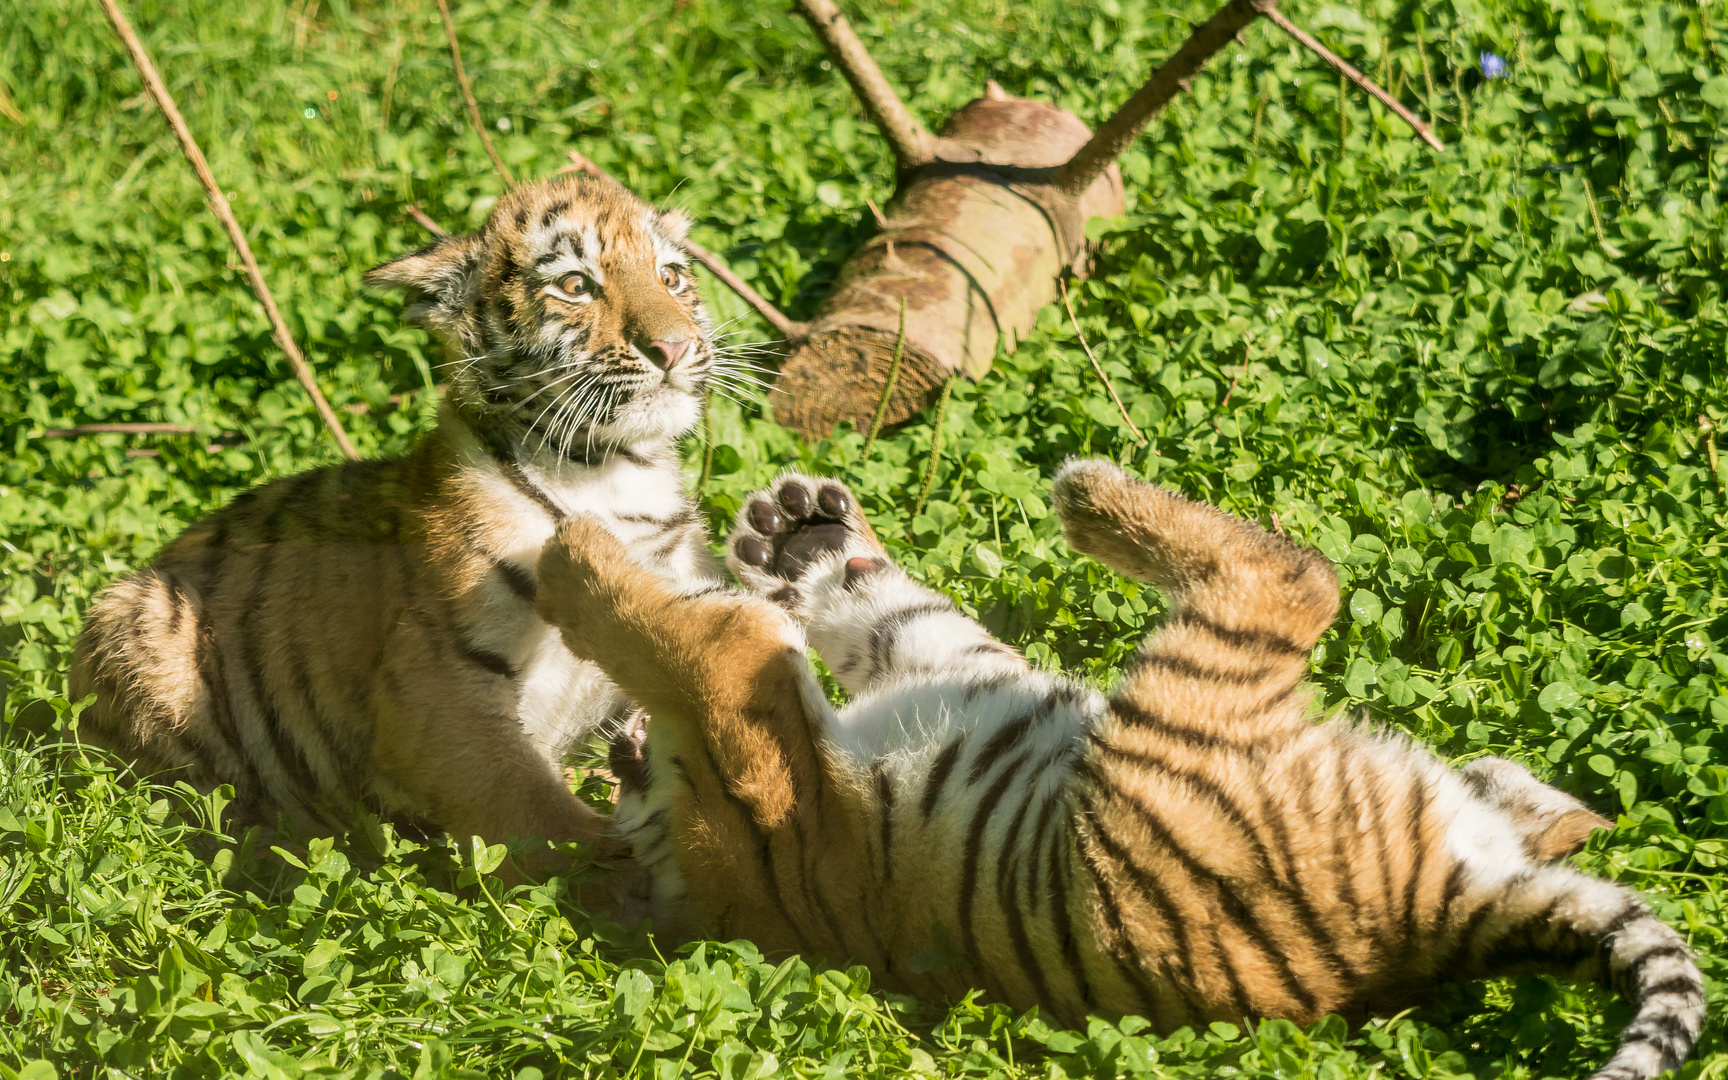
x,y
1190,849
366,632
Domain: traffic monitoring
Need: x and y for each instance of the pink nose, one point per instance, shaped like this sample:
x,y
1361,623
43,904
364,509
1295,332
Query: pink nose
x,y
673,351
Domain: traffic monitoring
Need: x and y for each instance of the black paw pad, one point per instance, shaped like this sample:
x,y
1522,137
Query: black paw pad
x,y
806,546
796,501
833,501
754,552
765,519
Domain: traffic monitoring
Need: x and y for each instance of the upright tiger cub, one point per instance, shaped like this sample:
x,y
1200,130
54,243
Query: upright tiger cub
x,y
366,631
1193,848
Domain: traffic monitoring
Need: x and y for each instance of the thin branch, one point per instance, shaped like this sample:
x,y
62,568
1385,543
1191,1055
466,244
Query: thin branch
x,y
1308,41
219,206
118,429
1120,131
425,222
468,95
912,143
1096,366
787,328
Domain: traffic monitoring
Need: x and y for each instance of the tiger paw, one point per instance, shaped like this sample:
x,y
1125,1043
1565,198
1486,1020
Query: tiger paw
x,y
798,523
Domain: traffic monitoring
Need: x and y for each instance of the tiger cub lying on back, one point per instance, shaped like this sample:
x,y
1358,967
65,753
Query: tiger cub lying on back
x,y
366,632
1191,849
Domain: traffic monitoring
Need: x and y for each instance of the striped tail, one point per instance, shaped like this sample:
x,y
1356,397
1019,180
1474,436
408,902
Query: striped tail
x,y
1556,920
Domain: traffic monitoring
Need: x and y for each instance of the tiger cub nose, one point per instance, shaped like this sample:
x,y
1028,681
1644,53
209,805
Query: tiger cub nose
x,y
670,351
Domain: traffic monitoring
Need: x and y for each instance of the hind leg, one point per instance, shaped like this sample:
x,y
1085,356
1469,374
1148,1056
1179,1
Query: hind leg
x,y
804,544
1551,823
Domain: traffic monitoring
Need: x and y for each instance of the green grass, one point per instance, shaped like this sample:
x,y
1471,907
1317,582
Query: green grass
x,y
1486,384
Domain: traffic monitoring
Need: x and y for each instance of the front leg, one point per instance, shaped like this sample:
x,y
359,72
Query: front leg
x,y
766,818
804,544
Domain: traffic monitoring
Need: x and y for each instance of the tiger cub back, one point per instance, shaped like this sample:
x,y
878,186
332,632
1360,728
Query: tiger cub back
x,y
365,632
1193,848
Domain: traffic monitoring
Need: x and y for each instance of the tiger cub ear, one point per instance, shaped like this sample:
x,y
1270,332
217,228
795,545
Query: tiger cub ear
x,y
676,225
440,280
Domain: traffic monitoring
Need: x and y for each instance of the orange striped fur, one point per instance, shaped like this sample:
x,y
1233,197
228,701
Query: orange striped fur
x,y
365,633
1194,848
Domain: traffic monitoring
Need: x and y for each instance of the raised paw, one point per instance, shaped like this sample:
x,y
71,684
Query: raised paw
x,y
795,523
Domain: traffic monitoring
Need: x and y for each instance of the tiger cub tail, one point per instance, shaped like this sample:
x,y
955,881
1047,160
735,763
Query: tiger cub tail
x,y
1246,606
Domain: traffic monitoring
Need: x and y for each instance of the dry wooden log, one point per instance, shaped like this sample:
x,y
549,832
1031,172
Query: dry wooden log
x,y
988,215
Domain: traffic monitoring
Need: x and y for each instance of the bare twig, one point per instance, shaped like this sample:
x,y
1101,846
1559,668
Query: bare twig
x,y
118,429
912,143
1096,366
1312,44
1118,132
887,384
787,328
468,95
219,206
425,222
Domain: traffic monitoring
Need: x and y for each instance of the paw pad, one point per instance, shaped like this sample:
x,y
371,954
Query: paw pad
x,y
785,528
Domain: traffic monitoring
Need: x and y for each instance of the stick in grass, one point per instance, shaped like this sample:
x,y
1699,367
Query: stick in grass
x,y
219,205
1096,366
1312,44
118,429
468,95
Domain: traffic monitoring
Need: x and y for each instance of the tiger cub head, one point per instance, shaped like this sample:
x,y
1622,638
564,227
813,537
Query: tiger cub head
x,y
571,318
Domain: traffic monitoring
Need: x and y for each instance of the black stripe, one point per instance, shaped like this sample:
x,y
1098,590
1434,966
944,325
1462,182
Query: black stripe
x,y
1678,984
518,580
1343,874
1266,640
215,683
885,807
552,212
1129,964
1670,952
1133,714
888,628
1060,920
1185,668
1449,895
1004,740
1413,820
484,658
938,777
1008,898
974,850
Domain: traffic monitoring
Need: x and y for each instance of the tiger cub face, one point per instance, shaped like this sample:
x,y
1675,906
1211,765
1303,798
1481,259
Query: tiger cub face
x,y
572,318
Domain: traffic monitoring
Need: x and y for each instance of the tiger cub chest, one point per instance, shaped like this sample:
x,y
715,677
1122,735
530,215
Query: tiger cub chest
x,y
557,699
